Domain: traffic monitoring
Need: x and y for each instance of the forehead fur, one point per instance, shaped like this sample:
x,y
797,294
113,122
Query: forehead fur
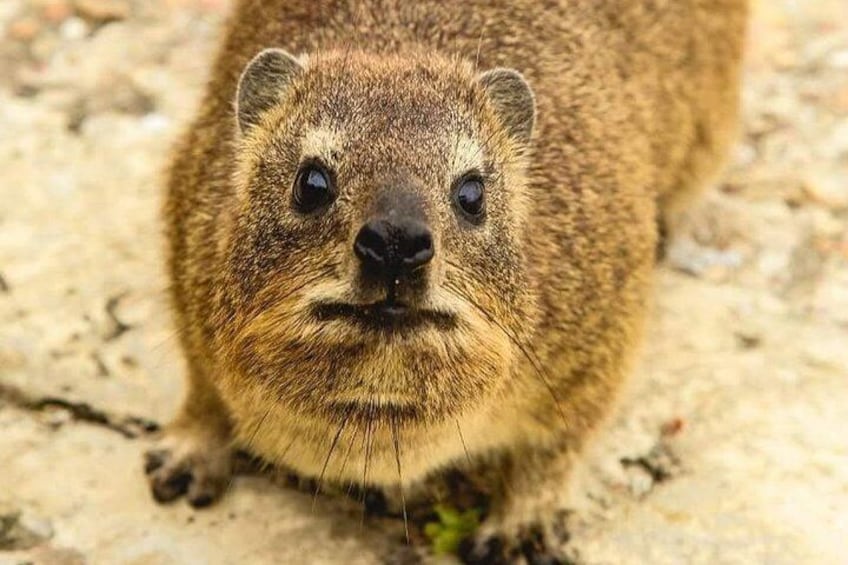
x,y
353,84
323,141
408,105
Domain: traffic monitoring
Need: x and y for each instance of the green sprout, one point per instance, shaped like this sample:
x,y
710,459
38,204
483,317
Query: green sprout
x,y
452,527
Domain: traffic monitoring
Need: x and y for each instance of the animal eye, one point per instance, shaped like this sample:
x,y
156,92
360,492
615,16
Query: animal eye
x,y
313,188
469,197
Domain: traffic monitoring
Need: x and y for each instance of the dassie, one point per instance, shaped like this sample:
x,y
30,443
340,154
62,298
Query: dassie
x,y
407,234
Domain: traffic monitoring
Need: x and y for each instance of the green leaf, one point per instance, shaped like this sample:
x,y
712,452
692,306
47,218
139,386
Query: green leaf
x,y
452,527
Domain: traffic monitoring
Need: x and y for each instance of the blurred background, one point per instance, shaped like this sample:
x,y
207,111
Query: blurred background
x,y
731,449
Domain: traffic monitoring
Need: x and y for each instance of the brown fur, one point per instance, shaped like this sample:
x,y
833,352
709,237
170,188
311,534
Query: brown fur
x,y
636,105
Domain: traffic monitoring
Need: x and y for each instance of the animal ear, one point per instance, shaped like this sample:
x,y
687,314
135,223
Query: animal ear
x,y
513,100
262,83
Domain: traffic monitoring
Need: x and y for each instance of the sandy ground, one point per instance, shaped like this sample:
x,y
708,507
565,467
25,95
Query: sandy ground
x,y
730,448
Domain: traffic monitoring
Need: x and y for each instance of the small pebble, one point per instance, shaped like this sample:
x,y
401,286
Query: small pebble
x,y
839,59
828,190
155,123
73,29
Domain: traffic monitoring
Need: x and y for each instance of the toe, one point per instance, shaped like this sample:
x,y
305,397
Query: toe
x,y
154,459
201,499
167,484
203,491
534,549
190,464
485,551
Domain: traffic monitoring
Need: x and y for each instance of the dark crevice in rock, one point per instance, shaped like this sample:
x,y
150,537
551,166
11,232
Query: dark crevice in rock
x,y
128,426
661,464
118,327
16,535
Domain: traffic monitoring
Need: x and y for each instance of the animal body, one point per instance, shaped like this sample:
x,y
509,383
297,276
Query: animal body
x,y
405,235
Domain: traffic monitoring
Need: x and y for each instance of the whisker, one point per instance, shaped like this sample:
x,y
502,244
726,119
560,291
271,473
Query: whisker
x,y
462,440
531,358
169,337
285,452
479,46
259,425
396,442
327,460
314,276
279,459
348,452
367,439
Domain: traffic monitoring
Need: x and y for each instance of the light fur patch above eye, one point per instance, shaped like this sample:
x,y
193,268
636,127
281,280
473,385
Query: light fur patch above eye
x,y
467,156
324,143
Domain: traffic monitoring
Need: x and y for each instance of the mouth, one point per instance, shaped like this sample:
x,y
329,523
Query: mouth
x,y
384,315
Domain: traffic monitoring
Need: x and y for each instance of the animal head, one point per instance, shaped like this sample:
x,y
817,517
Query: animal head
x,y
374,255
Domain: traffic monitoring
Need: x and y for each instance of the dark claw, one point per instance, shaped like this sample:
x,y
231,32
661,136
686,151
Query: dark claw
x,y
490,551
202,493
171,486
201,500
153,460
534,550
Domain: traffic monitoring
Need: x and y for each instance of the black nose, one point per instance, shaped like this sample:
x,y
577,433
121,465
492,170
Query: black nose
x,y
393,247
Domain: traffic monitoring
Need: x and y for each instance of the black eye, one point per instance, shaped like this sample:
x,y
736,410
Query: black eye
x,y
469,197
312,188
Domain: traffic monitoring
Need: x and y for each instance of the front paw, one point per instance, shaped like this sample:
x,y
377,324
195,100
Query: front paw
x,y
188,463
531,544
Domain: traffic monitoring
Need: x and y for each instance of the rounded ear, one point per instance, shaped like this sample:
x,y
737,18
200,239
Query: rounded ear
x,y
262,83
513,100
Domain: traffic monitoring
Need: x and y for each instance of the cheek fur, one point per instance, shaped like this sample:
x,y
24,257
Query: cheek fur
x,y
490,270
275,242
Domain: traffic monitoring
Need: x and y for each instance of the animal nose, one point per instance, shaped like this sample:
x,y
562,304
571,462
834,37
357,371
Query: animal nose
x,y
393,247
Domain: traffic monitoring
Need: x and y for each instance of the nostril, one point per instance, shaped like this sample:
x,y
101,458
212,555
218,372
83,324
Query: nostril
x,y
371,244
418,248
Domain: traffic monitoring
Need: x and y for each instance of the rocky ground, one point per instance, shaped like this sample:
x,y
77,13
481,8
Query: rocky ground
x,y
731,446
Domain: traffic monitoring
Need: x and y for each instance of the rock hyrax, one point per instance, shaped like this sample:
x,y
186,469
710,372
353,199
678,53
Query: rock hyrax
x,y
404,234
